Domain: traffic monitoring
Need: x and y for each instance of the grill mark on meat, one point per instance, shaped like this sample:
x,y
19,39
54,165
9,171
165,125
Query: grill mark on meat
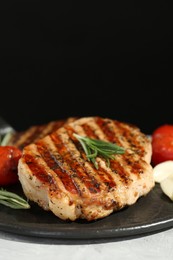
x,y
108,131
122,132
131,159
53,164
89,181
104,176
70,132
117,168
89,131
134,143
135,165
37,170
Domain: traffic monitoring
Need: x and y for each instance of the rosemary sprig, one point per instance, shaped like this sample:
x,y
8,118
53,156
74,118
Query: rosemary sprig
x,y
94,148
7,198
13,200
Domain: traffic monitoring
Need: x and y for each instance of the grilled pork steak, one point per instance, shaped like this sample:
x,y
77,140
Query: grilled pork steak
x,y
55,172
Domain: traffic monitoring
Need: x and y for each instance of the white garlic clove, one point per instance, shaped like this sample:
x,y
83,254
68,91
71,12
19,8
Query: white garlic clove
x,y
163,170
167,186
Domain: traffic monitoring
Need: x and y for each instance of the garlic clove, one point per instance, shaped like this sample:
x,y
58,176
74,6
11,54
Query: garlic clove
x,y
167,186
163,170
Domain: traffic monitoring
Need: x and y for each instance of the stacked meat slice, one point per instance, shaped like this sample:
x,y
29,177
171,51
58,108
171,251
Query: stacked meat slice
x,y
35,132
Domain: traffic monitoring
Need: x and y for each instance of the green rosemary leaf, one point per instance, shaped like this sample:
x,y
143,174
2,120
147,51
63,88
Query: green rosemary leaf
x,y
94,148
13,200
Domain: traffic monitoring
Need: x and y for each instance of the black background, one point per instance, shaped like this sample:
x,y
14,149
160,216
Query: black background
x,y
85,59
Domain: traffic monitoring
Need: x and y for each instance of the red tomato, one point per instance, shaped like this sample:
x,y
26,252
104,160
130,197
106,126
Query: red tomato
x,y
162,144
9,157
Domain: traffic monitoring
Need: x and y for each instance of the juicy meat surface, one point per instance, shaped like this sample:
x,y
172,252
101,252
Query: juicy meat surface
x,y
55,173
35,132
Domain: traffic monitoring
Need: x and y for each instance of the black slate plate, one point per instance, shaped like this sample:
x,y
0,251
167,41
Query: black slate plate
x,y
151,213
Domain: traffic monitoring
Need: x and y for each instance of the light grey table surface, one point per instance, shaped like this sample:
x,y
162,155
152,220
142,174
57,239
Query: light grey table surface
x,y
153,246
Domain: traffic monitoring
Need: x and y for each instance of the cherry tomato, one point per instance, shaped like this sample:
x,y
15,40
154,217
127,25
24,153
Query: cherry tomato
x,y
9,157
162,144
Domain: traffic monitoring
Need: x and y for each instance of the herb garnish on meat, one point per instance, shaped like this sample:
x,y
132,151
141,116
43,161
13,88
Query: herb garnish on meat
x,y
94,148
